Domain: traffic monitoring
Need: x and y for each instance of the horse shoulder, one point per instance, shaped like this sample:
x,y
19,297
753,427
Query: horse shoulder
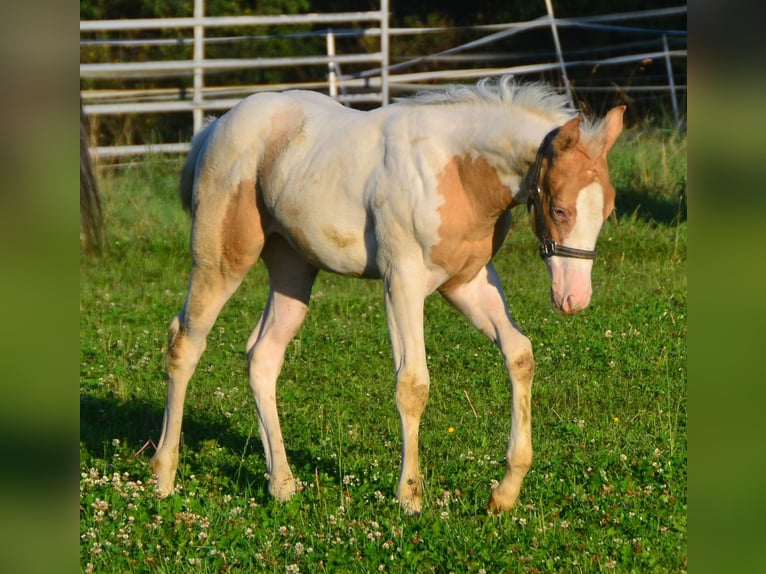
x,y
474,217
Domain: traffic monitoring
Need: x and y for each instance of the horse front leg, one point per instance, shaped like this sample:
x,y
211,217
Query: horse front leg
x,y
521,367
482,301
404,308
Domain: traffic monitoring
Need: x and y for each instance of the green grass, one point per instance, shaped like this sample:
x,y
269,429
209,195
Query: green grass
x,y
607,490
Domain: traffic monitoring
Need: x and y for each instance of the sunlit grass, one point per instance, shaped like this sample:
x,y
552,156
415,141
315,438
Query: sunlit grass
x,y
607,491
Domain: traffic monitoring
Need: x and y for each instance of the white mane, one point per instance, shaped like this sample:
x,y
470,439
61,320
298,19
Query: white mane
x,y
535,97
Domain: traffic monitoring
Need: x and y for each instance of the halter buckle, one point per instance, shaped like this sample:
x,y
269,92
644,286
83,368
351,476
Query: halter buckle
x,y
547,248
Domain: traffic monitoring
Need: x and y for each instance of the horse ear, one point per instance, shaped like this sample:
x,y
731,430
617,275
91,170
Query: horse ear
x,y
567,136
611,128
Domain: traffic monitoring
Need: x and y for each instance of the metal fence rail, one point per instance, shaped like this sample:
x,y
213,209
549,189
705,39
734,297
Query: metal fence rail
x,y
372,85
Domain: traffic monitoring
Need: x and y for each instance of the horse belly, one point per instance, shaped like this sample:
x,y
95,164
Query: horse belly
x,y
315,188
339,244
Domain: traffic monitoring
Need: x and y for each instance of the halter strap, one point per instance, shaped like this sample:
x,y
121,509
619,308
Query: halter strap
x,y
547,246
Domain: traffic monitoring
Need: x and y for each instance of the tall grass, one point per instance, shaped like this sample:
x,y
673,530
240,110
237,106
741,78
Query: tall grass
x,y
607,491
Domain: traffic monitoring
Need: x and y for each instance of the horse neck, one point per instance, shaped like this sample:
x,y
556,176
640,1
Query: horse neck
x,y
507,138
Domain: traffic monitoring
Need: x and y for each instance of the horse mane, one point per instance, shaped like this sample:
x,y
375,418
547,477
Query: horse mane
x,y
534,97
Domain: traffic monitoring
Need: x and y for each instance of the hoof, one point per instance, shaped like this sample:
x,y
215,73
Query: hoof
x,y
494,508
162,489
411,507
162,493
163,486
410,496
164,474
282,490
499,503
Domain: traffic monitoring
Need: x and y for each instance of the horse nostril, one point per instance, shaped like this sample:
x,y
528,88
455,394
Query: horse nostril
x,y
566,304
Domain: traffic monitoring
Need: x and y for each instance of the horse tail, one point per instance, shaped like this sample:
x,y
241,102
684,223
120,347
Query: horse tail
x,y
191,167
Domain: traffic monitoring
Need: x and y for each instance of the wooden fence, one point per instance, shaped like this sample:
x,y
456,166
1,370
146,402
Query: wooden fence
x,y
374,77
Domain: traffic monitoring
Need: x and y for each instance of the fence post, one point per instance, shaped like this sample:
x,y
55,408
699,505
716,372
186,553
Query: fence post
x,y
384,51
555,32
332,72
671,81
199,56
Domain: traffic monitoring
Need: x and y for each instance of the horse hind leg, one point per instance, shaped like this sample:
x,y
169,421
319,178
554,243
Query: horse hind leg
x,y
187,335
221,261
291,278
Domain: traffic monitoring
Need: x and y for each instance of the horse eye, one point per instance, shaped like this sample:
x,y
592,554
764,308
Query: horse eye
x,y
559,213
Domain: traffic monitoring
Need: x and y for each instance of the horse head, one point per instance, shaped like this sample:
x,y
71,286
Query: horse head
x,y
570,198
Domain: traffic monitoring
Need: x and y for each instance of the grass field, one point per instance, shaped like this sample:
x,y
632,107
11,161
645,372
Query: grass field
x,y
607,490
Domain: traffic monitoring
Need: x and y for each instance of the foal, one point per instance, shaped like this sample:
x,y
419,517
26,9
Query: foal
x,y
417,194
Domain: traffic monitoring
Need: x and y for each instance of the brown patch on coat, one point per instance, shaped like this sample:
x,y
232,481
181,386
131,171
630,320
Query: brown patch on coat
x,y
526,410
523,366
471,228
242,234
176,338
338,238
523,369
411,394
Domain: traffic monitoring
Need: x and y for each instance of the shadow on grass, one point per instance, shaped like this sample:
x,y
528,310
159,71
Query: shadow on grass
x,y
137,421
657,208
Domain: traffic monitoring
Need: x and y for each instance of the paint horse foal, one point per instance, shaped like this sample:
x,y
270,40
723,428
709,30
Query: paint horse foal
x,y
417,194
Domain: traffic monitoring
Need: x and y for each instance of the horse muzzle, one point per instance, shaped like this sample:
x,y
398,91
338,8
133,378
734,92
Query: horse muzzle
x,y
570,284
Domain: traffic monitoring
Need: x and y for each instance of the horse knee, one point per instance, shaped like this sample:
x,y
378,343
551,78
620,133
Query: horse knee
x,y
522,362
411,393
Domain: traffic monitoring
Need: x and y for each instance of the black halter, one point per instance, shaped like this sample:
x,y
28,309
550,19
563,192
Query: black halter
x,y
548,247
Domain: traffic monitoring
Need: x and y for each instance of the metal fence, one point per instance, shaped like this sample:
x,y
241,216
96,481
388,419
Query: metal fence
x,y
374,77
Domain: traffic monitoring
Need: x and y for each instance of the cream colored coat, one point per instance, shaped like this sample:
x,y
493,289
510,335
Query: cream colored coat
x,y
417,194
